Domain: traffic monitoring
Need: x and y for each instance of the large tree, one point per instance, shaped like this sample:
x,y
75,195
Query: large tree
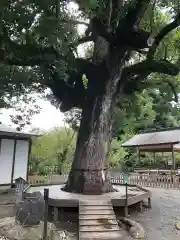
x,y
39,37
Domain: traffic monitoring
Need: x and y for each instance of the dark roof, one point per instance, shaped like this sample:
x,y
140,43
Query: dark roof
x,y
160,129
8,131
155,141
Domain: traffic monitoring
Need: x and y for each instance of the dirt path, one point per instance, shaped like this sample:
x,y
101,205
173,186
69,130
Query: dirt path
x,y
160,220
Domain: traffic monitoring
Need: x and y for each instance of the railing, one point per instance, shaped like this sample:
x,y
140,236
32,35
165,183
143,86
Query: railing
x,y
150,180
146,180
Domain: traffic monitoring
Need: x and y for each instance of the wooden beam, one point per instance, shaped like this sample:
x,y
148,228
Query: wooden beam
x,y
154,156
0,145
29,155
138,155
173,159
13,163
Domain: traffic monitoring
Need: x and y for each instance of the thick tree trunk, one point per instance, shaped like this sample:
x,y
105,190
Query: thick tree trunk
x,y
89,173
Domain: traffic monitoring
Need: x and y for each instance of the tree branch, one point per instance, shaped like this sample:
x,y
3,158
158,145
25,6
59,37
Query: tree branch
x,y
71,93
146,66
173,89
133,36
116,13
167,29
57,9
74,22
109,14
136,12
83,40
26,54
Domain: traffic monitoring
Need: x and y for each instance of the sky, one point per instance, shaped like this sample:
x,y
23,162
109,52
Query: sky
x,y
49,116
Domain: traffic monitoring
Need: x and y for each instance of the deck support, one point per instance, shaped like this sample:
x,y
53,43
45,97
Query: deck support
x,y
126,212
140,206
149,202
55,214
173,159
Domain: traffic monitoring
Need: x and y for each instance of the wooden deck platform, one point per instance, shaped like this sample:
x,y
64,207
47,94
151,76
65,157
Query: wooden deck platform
x,y
97,220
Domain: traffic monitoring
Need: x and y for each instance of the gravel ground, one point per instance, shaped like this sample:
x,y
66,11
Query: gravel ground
x,y
159,222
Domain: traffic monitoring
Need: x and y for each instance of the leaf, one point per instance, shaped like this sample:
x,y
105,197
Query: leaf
x,y
93,4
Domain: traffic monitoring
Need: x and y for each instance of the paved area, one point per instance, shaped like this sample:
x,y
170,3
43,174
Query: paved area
x,y
159,222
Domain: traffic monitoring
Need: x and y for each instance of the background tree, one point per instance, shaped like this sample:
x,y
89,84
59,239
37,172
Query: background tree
x,y
43,43
53,149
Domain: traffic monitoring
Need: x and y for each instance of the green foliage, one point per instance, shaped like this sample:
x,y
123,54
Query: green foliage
x,y
37,22
150,109
46,24
117,154
85,80
55,148
135,112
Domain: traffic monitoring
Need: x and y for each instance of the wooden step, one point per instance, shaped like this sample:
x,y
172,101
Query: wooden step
x,y
96,217
92,222
94,207
99,228
97,221
111,235
96,211
95,202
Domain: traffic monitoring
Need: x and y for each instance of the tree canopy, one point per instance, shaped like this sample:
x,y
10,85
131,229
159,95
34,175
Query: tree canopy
x,y
135,47
46,34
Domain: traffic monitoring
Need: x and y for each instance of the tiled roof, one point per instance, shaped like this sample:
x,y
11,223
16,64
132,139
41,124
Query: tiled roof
x,y
6,130
154,139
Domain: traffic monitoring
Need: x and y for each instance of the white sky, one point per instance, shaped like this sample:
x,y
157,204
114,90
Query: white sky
x,y
49,116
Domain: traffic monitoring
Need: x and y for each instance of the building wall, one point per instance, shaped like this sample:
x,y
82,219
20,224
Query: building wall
x,y
13,159
6,160
21,159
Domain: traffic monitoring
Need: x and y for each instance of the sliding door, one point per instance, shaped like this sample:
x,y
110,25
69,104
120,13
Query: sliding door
x,y
6,160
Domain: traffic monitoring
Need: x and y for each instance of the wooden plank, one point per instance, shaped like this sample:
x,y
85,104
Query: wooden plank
x,y
95,203
85,222
95,217
99,228
96,211
94,207
112,235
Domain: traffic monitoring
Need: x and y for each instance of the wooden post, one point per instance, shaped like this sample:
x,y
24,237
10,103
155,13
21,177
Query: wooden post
x,y
141,206
46,197
173,159
154,157
56,214
149,202
139,159
126,201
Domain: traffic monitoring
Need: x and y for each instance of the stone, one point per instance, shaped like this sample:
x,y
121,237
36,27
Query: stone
x,y
9,229
30,211
37,194
134,228
177,225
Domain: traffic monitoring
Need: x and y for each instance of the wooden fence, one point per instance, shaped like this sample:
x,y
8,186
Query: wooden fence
x,y
50,179
146,180
153,180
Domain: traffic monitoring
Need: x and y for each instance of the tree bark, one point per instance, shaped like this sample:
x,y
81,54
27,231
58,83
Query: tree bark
x,y
89,172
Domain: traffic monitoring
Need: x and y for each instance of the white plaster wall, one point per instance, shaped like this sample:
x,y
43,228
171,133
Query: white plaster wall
x,y
6,160
21,159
